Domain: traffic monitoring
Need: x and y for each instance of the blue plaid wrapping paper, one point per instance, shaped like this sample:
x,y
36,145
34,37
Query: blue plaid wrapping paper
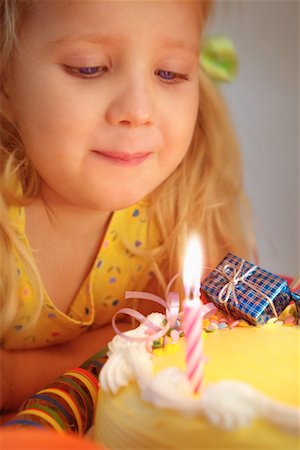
x,y
254,294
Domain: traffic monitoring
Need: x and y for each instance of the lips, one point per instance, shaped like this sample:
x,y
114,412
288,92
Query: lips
x,y
122,158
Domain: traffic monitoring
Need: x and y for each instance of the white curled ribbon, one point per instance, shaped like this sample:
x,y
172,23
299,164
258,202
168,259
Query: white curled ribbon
x,y
171,305
229,288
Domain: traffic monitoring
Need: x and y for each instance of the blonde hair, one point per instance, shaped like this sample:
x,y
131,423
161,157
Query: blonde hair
x,y
204,193
14,168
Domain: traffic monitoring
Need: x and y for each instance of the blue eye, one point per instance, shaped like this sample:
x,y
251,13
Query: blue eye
x,y
166,74
87,72
170,76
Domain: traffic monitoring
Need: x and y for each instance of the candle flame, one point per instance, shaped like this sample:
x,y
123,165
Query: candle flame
x,y
192,266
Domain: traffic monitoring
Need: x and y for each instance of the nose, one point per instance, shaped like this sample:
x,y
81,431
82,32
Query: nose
x,y
131,106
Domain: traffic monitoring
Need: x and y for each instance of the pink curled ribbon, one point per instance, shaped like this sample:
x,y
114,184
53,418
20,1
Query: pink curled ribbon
x,y
171,304
229,288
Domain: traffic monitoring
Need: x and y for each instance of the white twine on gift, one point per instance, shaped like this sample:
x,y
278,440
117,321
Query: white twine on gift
x,y
236,278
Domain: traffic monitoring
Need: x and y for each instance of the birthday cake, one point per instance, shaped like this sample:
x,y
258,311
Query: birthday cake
x,y
249,397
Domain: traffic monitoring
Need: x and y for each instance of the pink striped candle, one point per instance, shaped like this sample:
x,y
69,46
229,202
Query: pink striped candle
x,y
192,315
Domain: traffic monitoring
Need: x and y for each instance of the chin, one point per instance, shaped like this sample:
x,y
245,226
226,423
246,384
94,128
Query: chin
x,y
118,205
115,198
110,204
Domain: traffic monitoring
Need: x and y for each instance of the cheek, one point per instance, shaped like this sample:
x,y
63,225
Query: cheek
x,y
41,96
48,118
182,124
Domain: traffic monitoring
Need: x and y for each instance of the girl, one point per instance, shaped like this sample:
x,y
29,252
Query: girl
x,y
114,145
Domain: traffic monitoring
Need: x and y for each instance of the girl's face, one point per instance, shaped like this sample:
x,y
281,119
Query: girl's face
x,y
105,95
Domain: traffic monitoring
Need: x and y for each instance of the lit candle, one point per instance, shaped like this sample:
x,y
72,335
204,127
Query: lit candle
x,y
192,314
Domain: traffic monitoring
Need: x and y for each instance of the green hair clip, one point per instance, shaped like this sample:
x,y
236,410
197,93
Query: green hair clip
x,y
218,58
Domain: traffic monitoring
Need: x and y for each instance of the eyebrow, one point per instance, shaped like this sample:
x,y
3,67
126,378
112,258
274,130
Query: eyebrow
x,y
181,45
90,38
106,40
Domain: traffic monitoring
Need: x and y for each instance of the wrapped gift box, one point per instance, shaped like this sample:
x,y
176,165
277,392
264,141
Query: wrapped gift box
x,y
246,291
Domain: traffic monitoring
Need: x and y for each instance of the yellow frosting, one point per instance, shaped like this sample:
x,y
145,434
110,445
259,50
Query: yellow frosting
x,y
266,358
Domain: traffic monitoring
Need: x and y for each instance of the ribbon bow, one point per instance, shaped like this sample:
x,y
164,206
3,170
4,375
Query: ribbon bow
x,y
171,304
218,59
236,278
229,288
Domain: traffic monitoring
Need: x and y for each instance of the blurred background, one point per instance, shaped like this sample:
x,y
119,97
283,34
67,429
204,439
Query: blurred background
x,y
264,105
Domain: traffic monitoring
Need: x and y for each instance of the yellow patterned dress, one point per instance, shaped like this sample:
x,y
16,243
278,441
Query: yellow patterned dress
x,y
117,268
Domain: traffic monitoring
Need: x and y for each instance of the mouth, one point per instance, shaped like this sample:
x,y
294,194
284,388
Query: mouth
x,y
122,158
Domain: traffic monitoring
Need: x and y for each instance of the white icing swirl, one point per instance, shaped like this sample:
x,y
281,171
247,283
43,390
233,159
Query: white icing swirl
x,y
228,404
128,360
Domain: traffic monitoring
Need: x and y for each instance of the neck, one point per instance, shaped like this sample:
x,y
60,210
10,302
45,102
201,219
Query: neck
x,y
69,219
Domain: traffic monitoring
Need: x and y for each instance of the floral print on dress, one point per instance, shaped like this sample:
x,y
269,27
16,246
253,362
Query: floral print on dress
x,y
117,268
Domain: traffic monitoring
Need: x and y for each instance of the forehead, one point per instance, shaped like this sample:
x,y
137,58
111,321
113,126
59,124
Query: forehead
x,y
63,20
